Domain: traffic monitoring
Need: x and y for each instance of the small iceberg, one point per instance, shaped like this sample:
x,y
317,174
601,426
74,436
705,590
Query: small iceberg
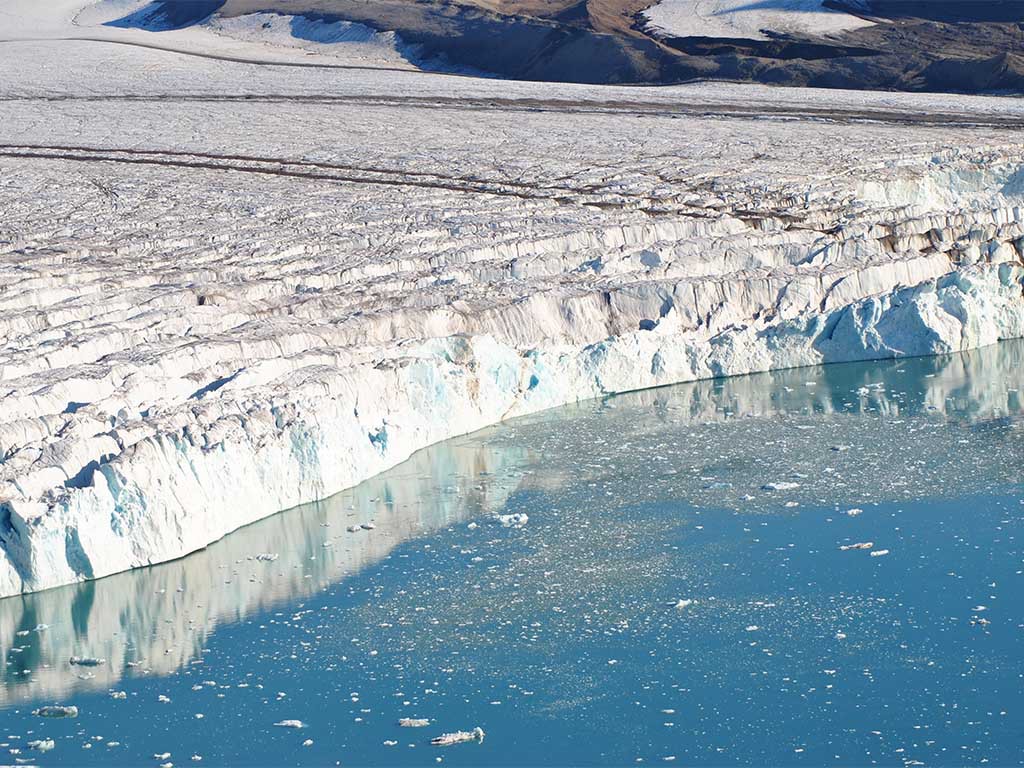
x,y
86,661
56,710
458,737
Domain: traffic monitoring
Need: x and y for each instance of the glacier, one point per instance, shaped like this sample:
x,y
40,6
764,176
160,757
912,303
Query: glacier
x,y
271,283
159,620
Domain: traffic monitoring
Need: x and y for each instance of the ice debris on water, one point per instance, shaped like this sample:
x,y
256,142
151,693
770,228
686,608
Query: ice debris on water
x,y
56,710
514,520
458,737
780,486
683,603
267,556
118,695
858,545
41,745
290,724
880,552
854,512
413,722
307,743
86,661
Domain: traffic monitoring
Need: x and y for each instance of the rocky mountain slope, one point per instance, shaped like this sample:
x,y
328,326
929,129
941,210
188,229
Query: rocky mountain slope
x,y
972,47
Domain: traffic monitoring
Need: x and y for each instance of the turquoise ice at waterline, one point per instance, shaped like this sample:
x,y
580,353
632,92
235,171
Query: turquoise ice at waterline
x,y
812,567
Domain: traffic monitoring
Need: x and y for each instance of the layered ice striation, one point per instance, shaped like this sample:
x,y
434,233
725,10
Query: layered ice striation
x,y
202,327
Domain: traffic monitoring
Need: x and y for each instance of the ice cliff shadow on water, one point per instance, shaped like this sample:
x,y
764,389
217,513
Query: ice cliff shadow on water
x,y
156,620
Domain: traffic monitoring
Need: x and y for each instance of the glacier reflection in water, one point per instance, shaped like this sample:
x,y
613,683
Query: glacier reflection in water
x,y
636,502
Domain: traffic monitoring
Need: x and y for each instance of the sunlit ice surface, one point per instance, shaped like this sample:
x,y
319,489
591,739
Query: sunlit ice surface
x,y
814,566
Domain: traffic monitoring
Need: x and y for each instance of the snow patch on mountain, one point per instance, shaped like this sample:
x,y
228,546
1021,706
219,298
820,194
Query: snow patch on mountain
x,y
329,38
750,19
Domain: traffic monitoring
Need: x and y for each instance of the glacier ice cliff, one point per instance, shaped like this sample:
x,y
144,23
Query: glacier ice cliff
x,y
270,284
702,444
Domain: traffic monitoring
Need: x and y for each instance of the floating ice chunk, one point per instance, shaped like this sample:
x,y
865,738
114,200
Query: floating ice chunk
x,y
880,552
42,745
472,526
367,526
458,737
118,695
56,710
413,722
780,486
86,661
162,756
854,512
307,743
163,699
267,556
390,743
40,627
858,545
753,628
514,520
353,529
684,603
290,724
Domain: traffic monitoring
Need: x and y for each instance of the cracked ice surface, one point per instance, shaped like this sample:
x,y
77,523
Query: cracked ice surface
x,y
217,303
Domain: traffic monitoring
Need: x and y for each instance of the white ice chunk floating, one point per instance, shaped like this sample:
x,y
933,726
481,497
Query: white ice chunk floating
x,y
858,545
514,520
86,661
781,486
458,737
56,710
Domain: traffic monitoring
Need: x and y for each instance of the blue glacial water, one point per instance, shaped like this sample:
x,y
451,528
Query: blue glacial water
x,y
684,591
